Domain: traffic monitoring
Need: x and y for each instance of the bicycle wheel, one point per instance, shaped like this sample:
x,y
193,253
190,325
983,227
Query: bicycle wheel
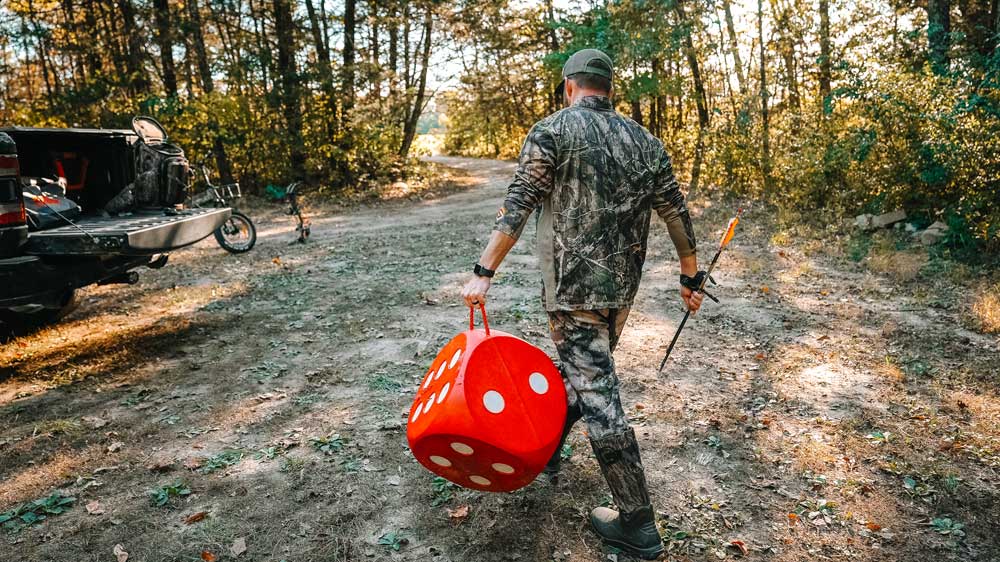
x,y
237,234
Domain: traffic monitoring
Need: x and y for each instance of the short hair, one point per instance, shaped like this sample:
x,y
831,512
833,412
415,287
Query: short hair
x,y
591,81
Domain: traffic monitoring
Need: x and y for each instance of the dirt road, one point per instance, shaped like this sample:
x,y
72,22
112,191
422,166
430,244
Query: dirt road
x,y
821,412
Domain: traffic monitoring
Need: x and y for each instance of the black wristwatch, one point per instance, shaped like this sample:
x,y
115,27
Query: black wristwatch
x,y
482,271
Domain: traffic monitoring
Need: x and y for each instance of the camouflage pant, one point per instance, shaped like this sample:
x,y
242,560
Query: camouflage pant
x,y
585,340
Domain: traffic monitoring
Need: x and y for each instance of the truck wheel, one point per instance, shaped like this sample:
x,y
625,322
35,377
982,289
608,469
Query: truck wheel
x,y
17,323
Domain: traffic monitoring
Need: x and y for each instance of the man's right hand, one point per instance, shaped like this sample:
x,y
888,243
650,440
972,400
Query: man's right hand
x,y
692,299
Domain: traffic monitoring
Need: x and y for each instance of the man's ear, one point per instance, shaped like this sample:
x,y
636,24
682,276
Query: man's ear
x,y
568,90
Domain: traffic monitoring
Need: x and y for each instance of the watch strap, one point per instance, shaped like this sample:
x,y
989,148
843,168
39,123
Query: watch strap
x,y
482,271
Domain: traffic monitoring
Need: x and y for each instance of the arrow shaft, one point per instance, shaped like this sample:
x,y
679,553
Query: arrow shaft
x,y
674,341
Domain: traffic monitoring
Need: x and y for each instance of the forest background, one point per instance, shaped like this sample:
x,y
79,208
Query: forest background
x,y
822,109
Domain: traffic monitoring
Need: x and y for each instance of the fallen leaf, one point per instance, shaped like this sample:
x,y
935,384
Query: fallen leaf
x,y
741,546
115,447
793,518
640,407
873,527
193,463
120,553
276,260
94,508
239,546
760,357
161,466
765,289
94,422
195,517
207,556
459,513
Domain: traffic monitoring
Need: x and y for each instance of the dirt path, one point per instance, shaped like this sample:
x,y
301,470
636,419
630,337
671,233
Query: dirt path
x,y
817,414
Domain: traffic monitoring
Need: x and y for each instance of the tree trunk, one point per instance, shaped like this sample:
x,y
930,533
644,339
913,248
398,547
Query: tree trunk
x,y
161,13
107,25
554,102
207,86
734,47
700,99
410,127
939,34
290,94
393,49
348,87
133,60
375,67
825,75
636,106
198,42
995,19
765,160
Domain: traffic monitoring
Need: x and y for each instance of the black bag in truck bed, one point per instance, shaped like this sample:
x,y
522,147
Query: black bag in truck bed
x,y
143,233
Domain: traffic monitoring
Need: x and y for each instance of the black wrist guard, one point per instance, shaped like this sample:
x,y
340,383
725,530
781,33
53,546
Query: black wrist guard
x,y
694,283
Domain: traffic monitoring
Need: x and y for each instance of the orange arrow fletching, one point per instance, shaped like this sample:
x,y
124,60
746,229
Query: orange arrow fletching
x,y
730,231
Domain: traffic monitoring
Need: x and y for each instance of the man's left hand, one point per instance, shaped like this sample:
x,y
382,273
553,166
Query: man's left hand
x,y
474,292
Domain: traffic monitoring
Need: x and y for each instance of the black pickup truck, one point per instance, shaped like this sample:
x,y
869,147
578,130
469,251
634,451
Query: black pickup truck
x,y
85,206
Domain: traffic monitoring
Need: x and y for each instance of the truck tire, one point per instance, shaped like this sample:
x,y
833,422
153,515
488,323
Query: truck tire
x,y
17,323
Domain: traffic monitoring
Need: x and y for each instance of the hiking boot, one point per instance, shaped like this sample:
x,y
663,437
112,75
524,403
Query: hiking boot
x,y
634,533
633,528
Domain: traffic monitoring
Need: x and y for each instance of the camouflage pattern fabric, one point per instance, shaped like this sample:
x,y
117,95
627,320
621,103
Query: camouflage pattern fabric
x,y
618,455
585,340
596,175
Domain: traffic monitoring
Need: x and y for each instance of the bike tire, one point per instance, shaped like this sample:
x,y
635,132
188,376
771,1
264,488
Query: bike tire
x,y
234,221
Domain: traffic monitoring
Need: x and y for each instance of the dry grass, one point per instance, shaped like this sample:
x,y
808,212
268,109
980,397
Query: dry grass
x,y
984,310
900,266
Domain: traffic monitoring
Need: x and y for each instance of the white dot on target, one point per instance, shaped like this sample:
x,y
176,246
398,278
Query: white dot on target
x,y
430,402
479,480
493,401
538,383
440,461
441,370
454,358
503,468
461,448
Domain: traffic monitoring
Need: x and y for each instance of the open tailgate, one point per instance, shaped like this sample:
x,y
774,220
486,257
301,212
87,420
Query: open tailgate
x,y
142,233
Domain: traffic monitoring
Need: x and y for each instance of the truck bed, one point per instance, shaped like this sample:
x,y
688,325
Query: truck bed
x,y
139,234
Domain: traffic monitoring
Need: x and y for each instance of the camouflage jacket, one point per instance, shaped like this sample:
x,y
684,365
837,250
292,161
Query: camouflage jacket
x,y
596,175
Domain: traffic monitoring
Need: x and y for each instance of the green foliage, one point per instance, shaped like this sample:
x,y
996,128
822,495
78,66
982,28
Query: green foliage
x,y
221,460
32,512
328,445
394,540
162,495
892,135
444,491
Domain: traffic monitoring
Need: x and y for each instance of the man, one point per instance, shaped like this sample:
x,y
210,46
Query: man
x,y
596,176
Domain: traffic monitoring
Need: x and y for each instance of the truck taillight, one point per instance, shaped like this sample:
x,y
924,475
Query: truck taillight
x,y
11,201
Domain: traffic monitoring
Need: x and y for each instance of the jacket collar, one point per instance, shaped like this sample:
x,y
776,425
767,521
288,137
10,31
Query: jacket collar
x,y
599,103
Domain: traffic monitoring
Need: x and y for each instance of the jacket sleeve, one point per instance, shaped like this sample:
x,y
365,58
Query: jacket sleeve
x,y
668,201
532,182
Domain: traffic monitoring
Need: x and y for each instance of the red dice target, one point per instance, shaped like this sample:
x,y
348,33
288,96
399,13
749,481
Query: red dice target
x,y
489,413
